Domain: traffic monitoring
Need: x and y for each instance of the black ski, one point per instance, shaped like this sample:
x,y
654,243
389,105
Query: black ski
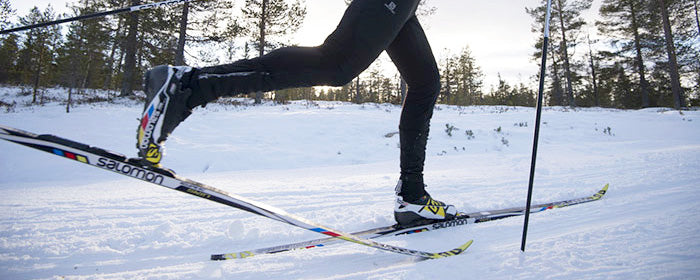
x,y
461,219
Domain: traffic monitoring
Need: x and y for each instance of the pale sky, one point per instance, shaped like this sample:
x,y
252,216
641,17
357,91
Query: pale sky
x,y
496,31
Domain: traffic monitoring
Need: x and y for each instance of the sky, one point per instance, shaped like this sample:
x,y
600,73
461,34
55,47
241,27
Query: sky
x,y
496,31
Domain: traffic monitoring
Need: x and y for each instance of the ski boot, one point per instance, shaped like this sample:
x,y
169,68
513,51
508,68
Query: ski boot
x,y
165,108
424,210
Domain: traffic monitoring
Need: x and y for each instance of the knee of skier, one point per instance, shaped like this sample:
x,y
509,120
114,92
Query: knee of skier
x,y
433,86
340,75
341,69
425,89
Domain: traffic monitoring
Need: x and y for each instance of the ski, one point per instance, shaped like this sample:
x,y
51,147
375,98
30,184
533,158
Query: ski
x,y
460,220
133,168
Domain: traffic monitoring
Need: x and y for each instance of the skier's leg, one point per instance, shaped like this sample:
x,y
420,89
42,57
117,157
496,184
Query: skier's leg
x,y
414,58
367,28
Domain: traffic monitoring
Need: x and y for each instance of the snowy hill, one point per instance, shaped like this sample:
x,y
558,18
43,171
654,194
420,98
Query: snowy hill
x,y
337,164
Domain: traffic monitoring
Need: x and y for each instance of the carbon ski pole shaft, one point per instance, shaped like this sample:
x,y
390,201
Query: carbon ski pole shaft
x,y
538,117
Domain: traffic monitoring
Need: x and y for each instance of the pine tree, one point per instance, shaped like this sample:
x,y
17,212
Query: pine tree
x,y
39,49
556,96
82,56
448,77
622,92
182,38
462,79
502,94
677,90
116,33
8,59
268,22
593,92
568,16
8,44
606,81
681,44
130,49
509,95
566,21
6,12
206,23
151,39
470,79
686,34
627,23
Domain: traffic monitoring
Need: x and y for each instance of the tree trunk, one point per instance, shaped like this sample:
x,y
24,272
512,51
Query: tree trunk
x,y
70,97
638,60
120,64
594,77
263,18
567,65
130,52
112,52
678,101
37,75
557,95
180,52
87,69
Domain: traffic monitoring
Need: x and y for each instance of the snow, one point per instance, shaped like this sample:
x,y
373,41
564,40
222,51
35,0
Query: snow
x,y
337,164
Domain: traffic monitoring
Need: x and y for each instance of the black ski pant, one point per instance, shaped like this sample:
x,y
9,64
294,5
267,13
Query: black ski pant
x,y
367,28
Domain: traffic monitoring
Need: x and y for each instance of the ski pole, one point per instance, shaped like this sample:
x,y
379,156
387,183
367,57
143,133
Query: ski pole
x,y
100,14
537,123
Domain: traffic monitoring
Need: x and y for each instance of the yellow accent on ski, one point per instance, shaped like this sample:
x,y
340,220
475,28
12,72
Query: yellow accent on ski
x,y
241,255
600,193
453,252
81,158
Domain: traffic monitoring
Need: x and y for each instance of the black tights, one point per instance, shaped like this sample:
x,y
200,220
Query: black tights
x,y
367,28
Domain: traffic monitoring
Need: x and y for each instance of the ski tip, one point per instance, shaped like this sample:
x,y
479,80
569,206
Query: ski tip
x,y
453,252
6,130
601,192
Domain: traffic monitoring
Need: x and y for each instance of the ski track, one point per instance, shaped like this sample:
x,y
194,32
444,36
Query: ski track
x,y
331,163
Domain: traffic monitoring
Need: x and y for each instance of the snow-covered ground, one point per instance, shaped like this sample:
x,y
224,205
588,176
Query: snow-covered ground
x,y
337,164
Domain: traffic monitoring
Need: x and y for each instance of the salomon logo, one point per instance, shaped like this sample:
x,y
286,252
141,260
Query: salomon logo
x,y
130,170
451,223
149,120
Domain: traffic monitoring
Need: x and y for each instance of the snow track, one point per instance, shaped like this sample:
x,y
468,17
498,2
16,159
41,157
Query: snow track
x,y
333,163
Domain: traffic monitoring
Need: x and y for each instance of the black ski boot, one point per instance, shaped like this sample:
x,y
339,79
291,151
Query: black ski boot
x,y
165,108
